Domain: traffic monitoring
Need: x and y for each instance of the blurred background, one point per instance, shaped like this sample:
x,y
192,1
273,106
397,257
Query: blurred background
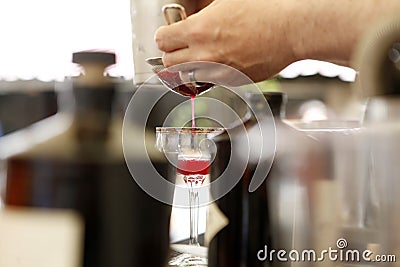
x,y
324,172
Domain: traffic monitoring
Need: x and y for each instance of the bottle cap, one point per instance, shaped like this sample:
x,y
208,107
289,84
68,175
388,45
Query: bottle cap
x,y
95,57
94,64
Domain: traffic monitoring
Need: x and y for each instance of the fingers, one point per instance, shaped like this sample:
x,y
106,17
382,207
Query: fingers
x,y
188,54
210,72
219,74
172,37
178,57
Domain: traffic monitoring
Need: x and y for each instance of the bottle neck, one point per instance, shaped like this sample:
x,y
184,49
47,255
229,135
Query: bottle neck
x,y
277,104
93,110
278,112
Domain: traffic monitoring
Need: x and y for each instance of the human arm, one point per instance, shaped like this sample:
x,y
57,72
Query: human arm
x,y
261,37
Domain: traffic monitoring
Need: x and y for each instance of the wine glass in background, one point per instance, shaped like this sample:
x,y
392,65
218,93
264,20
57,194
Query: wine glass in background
x,y
189,150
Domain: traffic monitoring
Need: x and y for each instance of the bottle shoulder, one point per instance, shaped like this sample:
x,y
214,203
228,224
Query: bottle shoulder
x,y
39,136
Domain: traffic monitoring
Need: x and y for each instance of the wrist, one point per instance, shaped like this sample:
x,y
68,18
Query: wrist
x,y
302,19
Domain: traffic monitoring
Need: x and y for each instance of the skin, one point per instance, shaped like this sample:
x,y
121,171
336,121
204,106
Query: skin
x,y
194,6
261,37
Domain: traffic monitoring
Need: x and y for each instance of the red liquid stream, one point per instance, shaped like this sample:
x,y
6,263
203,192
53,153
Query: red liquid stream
x,y
173,81
193,121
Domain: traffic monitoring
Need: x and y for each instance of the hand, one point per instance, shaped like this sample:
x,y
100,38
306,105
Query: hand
x,y
249,35
261,37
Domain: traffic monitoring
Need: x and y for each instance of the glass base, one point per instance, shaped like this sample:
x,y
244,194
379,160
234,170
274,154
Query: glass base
x,y
188,255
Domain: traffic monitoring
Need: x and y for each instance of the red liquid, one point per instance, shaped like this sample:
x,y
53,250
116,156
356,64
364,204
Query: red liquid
x,y
193,121
173,81
193,166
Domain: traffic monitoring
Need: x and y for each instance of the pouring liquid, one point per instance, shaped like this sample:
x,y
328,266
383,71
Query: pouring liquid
x,y
173,81
193,120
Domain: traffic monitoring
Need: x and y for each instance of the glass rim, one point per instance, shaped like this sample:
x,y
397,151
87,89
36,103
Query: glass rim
x,y
326,125
189,130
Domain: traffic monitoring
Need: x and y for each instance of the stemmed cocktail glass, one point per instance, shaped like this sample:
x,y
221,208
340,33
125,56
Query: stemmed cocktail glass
x,y
190,151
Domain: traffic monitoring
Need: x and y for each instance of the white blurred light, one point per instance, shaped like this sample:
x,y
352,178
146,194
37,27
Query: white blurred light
x,y
310,67
348,75
313,110
38,37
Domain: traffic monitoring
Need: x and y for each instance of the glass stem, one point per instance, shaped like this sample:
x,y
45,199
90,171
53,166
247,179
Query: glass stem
x,y
194,216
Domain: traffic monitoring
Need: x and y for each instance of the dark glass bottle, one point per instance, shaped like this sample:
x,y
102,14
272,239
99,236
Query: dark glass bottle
x,y
249,228
77,163
379,81
272,217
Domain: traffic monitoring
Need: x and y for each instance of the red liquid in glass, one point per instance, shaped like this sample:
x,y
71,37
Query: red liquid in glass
x,y
194,170
193,166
